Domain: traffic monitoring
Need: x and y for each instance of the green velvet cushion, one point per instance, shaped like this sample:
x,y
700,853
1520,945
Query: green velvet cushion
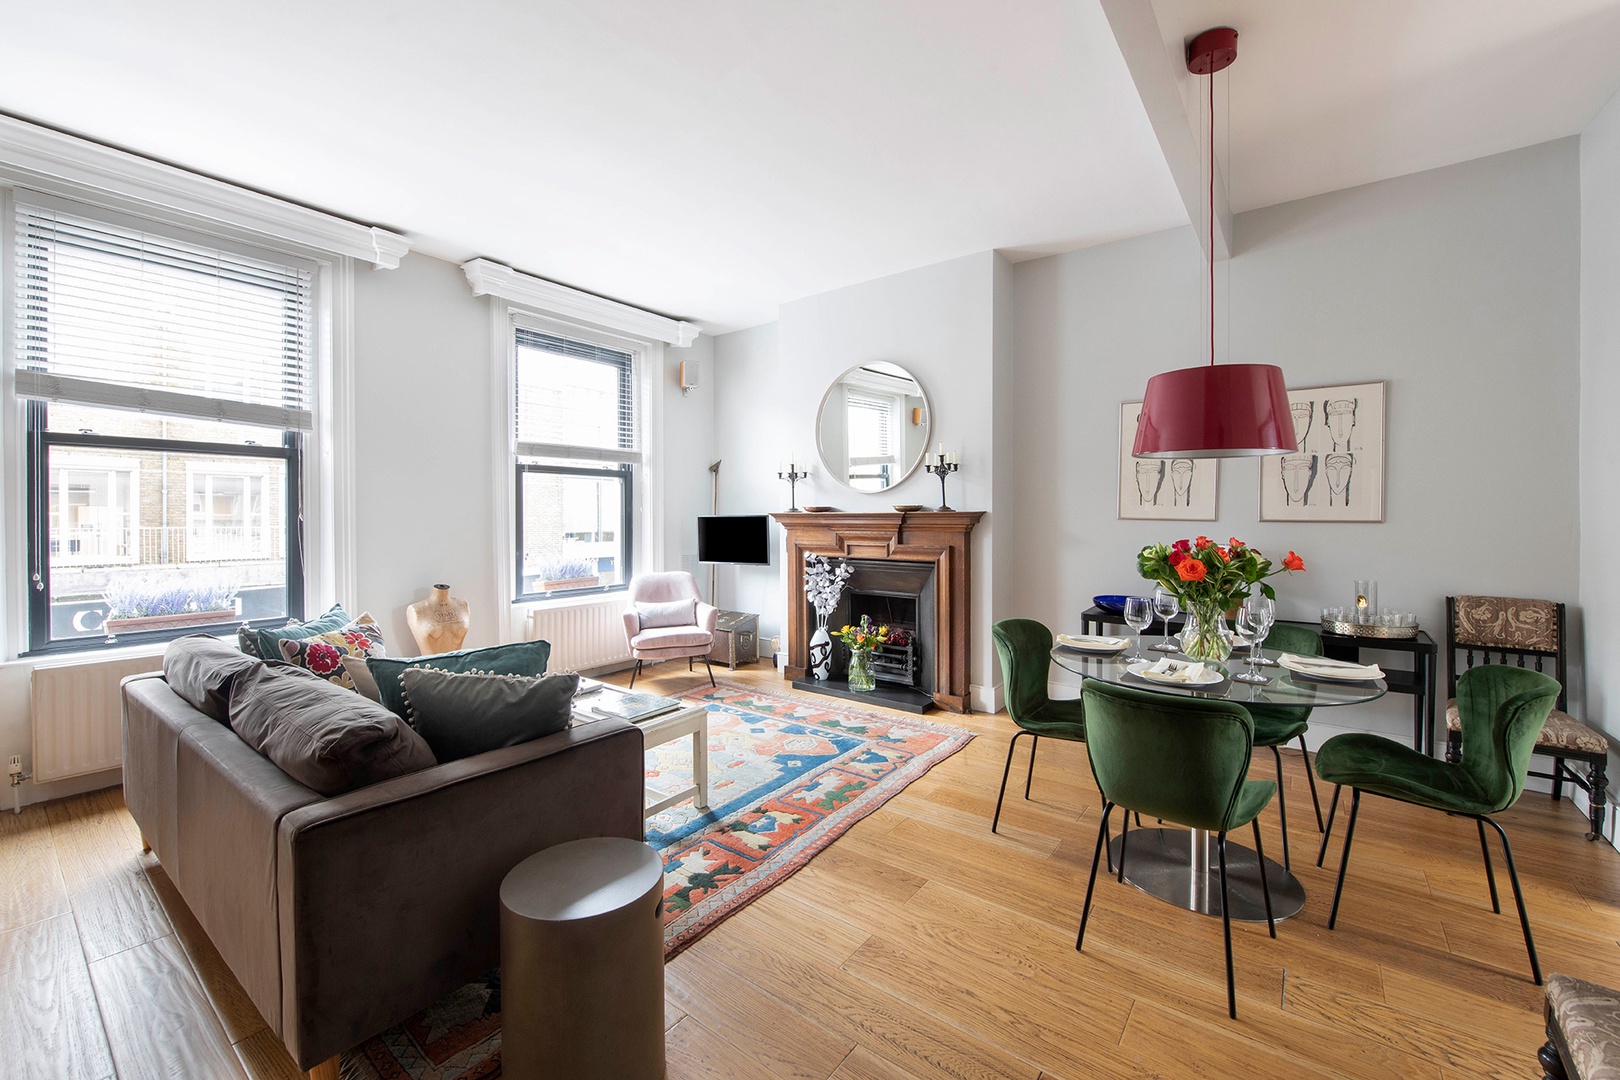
x,y
1025,649
518,658
1278,724
463,715
269,641
1502,710
1181,759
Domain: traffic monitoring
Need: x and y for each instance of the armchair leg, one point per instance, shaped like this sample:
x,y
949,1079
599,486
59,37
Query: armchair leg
x,y
1333,808
1518,898
1490,873
689,665
1004,774
634,673
1344,860
1310,775
1597,790
1091,883
709,669
1029,778
1282,808
1226,927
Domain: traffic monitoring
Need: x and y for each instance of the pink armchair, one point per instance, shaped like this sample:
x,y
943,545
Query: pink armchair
x,y
667,619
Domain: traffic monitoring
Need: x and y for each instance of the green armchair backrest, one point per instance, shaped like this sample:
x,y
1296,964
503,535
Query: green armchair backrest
x,y
1025,649
1299,640
1502,710
1180,759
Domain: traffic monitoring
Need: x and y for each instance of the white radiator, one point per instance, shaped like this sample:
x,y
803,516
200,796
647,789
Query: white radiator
x,y
583,637
76,714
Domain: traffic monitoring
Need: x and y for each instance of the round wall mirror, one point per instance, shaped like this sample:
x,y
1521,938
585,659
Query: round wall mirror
x,y
873,426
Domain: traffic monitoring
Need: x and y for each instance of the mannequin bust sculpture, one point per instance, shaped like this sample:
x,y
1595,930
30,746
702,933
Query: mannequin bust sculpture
x,y
438,623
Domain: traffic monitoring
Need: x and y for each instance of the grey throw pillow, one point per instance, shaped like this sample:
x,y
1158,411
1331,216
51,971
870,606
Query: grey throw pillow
x,y
203,670
325,737
673,613
462,715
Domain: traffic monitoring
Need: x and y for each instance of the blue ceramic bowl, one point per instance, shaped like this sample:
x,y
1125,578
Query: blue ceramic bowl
x,y
1115,604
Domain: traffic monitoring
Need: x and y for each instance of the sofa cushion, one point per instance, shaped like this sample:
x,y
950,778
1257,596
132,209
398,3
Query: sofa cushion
x,y
518,658
270,640
671,613
332,656
323,736
462,715
672,637
203,669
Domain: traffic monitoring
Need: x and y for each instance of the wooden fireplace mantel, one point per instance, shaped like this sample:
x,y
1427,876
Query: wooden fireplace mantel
x,y
940,537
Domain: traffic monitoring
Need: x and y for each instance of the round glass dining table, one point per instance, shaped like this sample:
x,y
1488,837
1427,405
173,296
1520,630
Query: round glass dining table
x,y
1180,865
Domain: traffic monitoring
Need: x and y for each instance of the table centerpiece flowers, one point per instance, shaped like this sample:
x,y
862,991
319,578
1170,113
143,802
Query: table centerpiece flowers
x,y
1210,579
861,640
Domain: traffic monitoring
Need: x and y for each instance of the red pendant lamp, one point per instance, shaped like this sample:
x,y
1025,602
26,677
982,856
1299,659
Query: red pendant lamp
x,y
1213,411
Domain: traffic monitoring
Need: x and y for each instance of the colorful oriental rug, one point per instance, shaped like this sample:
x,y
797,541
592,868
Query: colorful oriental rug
x,y
788,774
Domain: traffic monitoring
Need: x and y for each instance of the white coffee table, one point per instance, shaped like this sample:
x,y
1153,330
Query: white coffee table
x,y
664,728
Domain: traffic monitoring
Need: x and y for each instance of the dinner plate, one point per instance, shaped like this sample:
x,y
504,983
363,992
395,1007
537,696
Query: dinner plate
x,y
1142,669
1113,603
1314,667
1103,646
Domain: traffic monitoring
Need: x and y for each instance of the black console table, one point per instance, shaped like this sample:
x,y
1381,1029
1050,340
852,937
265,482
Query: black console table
x,y
1418,681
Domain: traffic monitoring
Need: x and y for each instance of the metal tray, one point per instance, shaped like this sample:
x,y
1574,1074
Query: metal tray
x,y
1367,630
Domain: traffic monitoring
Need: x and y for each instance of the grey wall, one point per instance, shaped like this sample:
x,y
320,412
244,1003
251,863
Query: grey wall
x,y
1457,286
1600,398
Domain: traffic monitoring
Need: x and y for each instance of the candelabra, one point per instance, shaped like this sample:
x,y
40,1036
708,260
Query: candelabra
x,y
792,475
942,465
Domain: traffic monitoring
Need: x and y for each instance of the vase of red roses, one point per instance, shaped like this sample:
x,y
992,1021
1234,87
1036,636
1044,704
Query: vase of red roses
x,y
1209,579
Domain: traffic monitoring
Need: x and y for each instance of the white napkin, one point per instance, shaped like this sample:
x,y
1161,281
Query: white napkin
x,y
1170,670
1340,668
1088,642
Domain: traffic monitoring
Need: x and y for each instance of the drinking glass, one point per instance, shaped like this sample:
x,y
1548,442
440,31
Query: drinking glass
x,y
1138,615
1255,616
1270,607
1166,607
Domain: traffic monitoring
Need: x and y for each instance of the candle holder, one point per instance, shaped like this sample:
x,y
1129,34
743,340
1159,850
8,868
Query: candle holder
x,y
792,475
942,466
1366,609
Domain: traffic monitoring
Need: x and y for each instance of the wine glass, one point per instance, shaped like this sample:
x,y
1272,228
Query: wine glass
x,y
1166,606
1255,616
1270,607
1138,616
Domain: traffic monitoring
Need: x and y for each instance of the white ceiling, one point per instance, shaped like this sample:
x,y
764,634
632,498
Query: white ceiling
x,y
712,159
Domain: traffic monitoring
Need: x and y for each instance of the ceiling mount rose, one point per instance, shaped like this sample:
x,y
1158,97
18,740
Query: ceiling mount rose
x,y
1212,51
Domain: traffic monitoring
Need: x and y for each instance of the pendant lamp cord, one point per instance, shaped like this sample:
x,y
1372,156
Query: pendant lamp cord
x,y
1212,219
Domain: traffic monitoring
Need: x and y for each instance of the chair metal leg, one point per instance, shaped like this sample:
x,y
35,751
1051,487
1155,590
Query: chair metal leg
x,y
1333,808
1124,839
1108,839
1265,885
710,670
1344,861
1004,774
1226,929
634,673
689,664
1310,775
1282,807
1490,873
1030,777
1091,884
1518,898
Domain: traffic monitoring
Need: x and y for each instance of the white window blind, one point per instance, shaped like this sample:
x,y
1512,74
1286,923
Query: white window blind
x,y
871,428
575,400
119,316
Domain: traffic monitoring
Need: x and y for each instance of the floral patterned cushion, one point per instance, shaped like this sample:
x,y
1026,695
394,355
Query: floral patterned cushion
x,y
1506,622
329,655
1588,1015
1561,732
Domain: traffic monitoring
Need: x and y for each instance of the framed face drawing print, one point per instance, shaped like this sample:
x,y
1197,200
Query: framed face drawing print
x,y
1162,489
1338,473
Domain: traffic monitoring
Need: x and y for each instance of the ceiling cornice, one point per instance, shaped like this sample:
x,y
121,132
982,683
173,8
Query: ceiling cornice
x,y
496,279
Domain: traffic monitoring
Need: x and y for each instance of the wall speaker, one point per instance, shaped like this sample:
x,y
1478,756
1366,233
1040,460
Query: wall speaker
x,y
689,375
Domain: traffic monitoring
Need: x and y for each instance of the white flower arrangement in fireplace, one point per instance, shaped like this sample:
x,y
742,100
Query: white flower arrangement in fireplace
x,y
823,584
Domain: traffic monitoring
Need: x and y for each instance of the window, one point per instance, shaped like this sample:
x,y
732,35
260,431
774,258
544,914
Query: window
x,y
166,381
871,423
577,450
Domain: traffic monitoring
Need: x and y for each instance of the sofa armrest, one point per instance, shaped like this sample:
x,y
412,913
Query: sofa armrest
x,y
389,895
632,623
708,616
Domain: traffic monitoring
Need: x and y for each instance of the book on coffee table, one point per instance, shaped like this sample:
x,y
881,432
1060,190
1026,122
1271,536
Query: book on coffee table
x,y
633,707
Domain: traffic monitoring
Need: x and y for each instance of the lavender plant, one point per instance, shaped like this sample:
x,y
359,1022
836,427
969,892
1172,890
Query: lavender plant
x,y
144,595
566,569
824,583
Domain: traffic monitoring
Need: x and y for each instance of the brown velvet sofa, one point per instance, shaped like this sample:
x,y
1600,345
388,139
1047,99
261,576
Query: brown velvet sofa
x,y
342,916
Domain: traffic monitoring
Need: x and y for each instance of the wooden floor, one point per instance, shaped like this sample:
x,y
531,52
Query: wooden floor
x,y
917,946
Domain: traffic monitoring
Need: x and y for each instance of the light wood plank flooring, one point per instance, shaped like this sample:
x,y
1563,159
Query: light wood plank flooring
x,y
918,946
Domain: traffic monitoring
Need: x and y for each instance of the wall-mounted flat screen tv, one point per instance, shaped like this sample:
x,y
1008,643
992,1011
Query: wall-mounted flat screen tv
x,y
734,539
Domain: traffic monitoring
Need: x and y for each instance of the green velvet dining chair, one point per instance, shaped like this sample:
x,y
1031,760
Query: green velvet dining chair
x,y
1183,760
1502,710
1277,725
1025,649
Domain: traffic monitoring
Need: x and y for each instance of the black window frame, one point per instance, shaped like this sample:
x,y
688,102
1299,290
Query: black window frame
x,y
40,440
625,473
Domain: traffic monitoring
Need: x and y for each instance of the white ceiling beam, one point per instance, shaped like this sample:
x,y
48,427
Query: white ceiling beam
x,y
1161,80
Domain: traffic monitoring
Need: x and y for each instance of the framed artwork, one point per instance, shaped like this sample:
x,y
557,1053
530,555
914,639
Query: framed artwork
x,y
1338,474
1162,489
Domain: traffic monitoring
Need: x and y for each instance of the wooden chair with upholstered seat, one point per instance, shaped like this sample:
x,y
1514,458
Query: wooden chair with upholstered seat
x,y
1508,630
